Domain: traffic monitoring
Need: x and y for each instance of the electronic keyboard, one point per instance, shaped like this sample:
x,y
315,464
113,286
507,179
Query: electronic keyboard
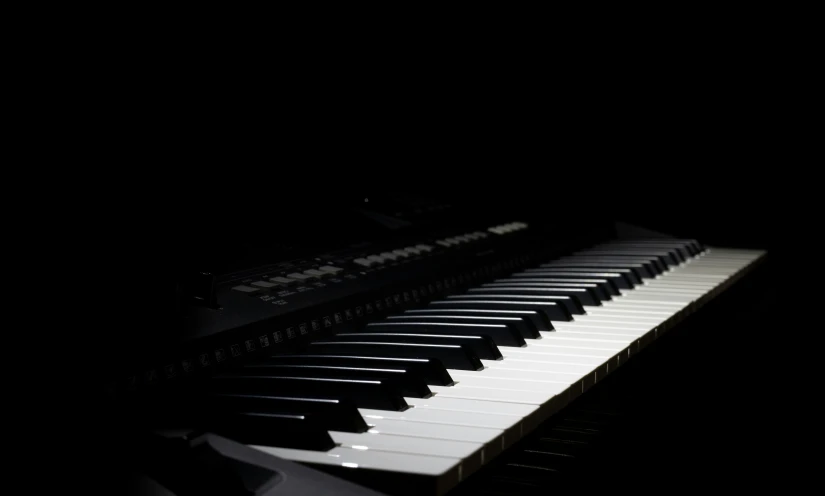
x,y
410,366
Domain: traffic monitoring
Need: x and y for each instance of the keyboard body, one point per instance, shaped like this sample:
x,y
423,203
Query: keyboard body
x,y
409,363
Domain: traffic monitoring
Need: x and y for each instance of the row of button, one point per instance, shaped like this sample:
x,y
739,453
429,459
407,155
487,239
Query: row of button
x,y
508,228
464,238
393,255
295,277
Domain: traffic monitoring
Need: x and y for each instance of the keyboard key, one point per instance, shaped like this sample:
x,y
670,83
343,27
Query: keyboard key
x,y
376,394
585,296
559,307
501,334
482,346
405,382
431,370
451,355
337,414
530,320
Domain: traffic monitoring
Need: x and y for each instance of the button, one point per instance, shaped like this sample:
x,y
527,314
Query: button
x,y
246,289
281,280
401,253
364,262
424,247
316,273
299,276
330,269
389,256
264,284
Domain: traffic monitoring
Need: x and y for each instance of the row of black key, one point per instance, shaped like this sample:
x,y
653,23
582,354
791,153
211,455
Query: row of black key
x,y
303,395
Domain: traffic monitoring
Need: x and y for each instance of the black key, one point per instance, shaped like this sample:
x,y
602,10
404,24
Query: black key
x,y
431,370
518,325
667,257
530,321
631,278
272,429
483,346
679,253
599,287
376,394
653,266
404,381
336,414
565,303
586,296
638,269
548,311
607,285
690,247
460,357
501,334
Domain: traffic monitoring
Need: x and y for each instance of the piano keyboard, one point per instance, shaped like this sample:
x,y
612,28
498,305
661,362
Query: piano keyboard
x,y
442,390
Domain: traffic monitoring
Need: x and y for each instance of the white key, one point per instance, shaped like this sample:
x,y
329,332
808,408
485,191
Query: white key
x,y
595,332
554,339
469,452
520,375
549,360
617,318
510,425
447,471
547,347
488,381
518,410
606,323
480,393
624,335
629,310
482,435
429,415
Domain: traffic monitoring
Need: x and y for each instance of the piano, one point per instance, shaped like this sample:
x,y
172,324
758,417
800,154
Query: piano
x,y
434,349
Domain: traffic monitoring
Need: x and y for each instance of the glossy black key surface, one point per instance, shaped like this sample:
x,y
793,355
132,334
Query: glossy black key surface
x,y
653,265
336,414
563,304
377,394
667,257
501,334
681,252
543,325
692,247
585,296
530,321
518,325
608,285
628,275
431,370
460,357
599,287
404,381
637,269
483,346
272,429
